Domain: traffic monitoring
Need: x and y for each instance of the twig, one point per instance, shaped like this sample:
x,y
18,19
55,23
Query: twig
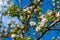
x,y
53,24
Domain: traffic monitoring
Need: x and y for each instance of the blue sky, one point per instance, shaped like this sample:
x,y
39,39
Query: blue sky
x,y
1,4
31,32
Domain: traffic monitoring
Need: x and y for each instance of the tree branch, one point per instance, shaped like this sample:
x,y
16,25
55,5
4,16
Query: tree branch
x,y
29,17
48,28
53,24
33,10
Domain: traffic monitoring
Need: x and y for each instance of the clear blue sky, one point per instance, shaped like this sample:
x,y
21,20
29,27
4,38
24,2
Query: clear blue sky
x,y
45,7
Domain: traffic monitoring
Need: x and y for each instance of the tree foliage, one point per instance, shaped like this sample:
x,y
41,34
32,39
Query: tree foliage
x,y
25,15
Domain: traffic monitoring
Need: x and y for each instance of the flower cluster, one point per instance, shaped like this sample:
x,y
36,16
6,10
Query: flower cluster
x,y
28,9
41,24
49,12
13,35
44,18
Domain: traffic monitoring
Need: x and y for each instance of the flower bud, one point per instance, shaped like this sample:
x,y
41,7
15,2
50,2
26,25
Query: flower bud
x,y
13,35
49,12
43,16
32,23
8,12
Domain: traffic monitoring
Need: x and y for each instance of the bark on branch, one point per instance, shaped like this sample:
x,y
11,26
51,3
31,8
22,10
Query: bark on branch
x,y
29,17
33,11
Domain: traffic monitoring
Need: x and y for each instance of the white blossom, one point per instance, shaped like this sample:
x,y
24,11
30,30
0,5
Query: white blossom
x,y
44,20
42,23
29,11
43,16
35,10
58,14
13,35
49,12
37,28
24,9
32,23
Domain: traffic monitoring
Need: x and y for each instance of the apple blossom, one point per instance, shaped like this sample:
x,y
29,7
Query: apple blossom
x,y
24,9
43,16
32,23
44,20
58,14
13,35
37,28
19,30
42,23
8,12
49,12
29,11
35,10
